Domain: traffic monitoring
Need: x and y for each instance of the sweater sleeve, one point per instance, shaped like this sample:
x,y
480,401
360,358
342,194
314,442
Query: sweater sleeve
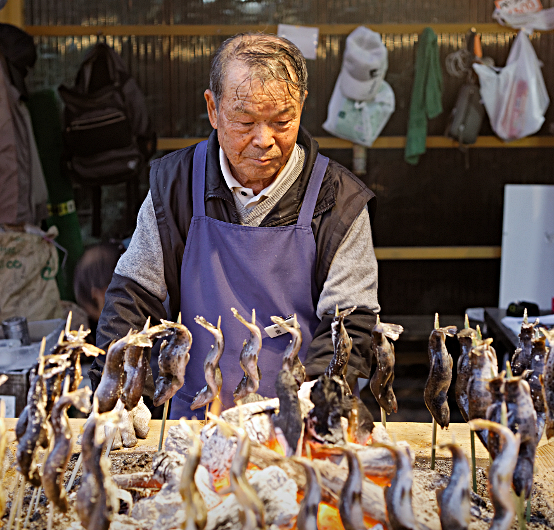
x,y
351,281
143,260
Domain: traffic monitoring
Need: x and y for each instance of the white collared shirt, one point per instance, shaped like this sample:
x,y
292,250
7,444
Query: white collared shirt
x,y
246,195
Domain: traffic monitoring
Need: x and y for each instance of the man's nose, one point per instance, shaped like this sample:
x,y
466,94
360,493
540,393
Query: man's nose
x,y
263,136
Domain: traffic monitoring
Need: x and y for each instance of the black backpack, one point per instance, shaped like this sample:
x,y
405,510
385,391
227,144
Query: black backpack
x,y
108,136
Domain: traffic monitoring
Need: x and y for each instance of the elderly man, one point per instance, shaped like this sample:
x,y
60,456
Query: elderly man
x,y
252,218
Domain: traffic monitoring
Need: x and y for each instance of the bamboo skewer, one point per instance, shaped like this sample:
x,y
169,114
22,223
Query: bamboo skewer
x,y
74,473
433,443
19,485
166,407
30,510
383,417
473,463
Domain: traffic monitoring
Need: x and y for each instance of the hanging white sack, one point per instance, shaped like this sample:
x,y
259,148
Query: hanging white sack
x,y
362,102
360,122
515,96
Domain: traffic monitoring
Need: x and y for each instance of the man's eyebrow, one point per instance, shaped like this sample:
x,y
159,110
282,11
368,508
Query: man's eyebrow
x,y
240,107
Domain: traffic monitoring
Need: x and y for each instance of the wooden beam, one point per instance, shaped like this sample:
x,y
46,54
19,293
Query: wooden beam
x,y
434,253
228,30
13,13
394,142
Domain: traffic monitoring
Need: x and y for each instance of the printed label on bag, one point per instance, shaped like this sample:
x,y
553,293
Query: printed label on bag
x,y
518,7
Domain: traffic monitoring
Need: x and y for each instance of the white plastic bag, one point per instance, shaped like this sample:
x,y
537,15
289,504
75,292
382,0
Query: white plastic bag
x,y
515,96
359,121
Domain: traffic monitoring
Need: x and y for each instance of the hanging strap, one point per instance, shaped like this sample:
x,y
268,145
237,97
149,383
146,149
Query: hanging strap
x,y
199,179
314,185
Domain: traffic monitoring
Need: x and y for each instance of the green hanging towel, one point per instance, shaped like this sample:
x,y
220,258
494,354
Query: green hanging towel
x,y
426,100
47,127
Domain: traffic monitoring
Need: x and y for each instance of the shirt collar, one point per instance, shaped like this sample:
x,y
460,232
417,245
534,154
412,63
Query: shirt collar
x,y
246,195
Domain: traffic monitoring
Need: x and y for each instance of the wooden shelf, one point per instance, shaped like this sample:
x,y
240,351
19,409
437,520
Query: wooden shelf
x,y
228,30
394,142
435,253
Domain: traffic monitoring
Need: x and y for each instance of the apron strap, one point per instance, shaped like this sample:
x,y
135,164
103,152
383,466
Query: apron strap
x,y
314,185
199,179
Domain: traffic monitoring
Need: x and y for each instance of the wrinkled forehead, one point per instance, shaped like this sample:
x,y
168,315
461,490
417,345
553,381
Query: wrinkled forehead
x,y
243,82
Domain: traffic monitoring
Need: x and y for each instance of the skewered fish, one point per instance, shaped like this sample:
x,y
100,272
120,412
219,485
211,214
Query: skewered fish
x,y
440,374
484,366
252,508
324,420
56,463
381,382
212,372
289,419
494,411
97,498
196,513
135,365
465,338
522,420
521,360
307,516
360,420
500,474
454,500
538,357
398,495
291,361
547,380
350,503
249,358
342,346
35,420
109,388
172,361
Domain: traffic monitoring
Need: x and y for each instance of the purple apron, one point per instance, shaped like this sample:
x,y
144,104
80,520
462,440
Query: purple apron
x,y
270,269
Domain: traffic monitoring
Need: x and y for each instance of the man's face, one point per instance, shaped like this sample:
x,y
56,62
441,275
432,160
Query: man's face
x,y
257,125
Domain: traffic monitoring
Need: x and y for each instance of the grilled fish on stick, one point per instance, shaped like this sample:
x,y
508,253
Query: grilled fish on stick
x,y
109,388
212,372
547,380
249,358
484,366
196,513
440,374
381,382
522,420
521,360
291,361
35,420
465,338
538,357
342,346
56,463
135,363
350,503
307,516
253,514
500,474
398,496
172,361
97,499
494,411
454,500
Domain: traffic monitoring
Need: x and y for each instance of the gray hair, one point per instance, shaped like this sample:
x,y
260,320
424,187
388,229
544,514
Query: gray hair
x,y
267,56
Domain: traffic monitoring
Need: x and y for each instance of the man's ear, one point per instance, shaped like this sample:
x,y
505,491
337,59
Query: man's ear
x,y
212,109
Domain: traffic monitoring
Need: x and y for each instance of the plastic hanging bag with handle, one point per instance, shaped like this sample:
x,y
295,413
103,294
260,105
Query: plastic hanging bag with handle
x,y
515,96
